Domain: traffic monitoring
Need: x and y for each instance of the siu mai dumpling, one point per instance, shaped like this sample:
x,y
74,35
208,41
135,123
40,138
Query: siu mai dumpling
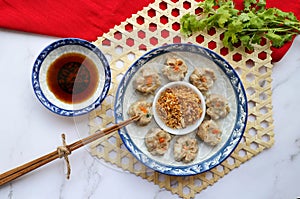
x,y
157,141
175,69
143,109
203,79
185,149
147,80
217,106
209,132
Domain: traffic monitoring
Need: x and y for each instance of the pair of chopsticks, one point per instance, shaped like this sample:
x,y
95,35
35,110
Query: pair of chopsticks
x,y
12,174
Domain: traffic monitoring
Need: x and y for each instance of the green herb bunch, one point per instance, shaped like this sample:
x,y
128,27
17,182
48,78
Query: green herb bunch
x,y
247,26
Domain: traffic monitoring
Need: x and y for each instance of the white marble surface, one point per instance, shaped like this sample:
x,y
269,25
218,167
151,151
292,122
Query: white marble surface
x,y
28,130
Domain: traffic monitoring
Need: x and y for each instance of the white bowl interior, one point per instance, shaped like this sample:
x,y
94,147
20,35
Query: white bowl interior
x,y
188,128
52,56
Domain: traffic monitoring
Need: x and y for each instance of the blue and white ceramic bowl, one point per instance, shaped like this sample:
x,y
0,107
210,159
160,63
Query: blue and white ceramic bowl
x,y
227,84
51,54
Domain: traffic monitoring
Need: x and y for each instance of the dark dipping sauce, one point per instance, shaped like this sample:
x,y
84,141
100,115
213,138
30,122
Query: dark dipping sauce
x,y
72,78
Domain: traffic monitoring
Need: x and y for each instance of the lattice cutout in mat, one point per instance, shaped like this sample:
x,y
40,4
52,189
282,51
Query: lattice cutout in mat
x,y
156,25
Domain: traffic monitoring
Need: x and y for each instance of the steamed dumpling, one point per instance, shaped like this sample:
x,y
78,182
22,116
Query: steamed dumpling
x,y
175,69
157,141
185,149
203,79
147,80
217,106
209,132
143,109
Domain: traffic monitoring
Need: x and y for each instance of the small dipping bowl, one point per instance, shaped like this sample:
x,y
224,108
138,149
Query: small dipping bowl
x,y
188,128
71,77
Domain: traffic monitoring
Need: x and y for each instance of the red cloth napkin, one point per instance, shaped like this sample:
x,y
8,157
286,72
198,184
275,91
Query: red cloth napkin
x,y
88,19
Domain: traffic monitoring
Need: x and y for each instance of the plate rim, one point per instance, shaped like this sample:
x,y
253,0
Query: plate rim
x,y
36,83
229,146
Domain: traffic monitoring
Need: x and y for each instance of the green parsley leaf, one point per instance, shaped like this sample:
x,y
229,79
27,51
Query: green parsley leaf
x,y
256,22
223,17
275,38
245,39
261,5
244,17
256,38
248,3
207,5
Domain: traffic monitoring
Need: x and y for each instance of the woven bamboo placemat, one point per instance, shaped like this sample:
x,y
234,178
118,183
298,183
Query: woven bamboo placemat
x,y
156,25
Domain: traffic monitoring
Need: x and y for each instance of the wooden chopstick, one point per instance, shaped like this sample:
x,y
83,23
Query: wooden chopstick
x,y
34,164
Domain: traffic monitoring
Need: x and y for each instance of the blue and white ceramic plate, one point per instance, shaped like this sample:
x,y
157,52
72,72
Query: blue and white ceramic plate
x,y
52,53
227,84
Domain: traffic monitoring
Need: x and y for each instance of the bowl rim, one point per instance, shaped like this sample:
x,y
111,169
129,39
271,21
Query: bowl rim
x,y
36,81
188,129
